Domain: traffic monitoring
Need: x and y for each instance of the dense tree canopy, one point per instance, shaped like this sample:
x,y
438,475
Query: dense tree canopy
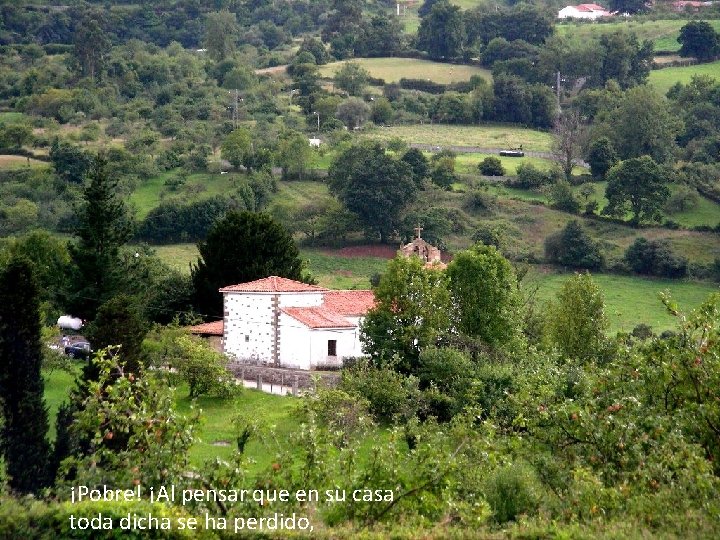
x,y
104,226
412,312
699,39
23,442
637,185
241,247
484,290
442,31
373,185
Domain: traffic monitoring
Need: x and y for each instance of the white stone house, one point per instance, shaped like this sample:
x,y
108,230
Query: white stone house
x,y
583,11
286,323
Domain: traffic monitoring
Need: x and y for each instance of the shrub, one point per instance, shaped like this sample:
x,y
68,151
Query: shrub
x,y
172,222
491,166
512,491
530,177
655,258
388,392
562,197
573,247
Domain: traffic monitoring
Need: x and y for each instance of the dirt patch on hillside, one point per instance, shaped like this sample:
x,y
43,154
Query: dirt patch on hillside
x,y
379,251
271,70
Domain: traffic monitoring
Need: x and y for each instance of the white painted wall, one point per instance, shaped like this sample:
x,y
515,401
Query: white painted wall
x,y
251,315
300,299
248,315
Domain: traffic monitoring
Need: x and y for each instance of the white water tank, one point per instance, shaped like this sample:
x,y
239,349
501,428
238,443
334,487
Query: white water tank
x,y
69,323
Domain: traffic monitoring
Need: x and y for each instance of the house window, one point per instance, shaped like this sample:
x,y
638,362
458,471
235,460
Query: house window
x,y
332,347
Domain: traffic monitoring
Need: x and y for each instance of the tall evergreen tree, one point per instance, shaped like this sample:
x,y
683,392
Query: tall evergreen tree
x,y
104,226
241,247
23,441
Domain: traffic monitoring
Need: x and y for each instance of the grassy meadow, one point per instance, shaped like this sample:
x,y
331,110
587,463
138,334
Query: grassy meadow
x,y
629,300
394,69
12,162
484,136
663,33
664,79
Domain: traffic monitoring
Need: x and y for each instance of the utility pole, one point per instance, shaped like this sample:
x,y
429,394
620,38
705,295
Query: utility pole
x,y
318,121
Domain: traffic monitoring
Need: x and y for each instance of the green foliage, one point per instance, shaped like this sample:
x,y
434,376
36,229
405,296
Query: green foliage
x,y
442,31
576,321
120,323
573,247
221,31
601,157
412,312
134,434
237,146
390,395
347,416
39,520
530,177
293,155
442,172
193,359
699,39
655,258
352,78
418,163
172,222
484,292
71,163
641,123
491,166
450,377
562,197
241,247
104,226
23,430
638,185
353,112
372,185
512,491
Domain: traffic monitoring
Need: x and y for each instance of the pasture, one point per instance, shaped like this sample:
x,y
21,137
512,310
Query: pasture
x,y
485,136
663,33
150,193
663,79
394,69
629,300
12,162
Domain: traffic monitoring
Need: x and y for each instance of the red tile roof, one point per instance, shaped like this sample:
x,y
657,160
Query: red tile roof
x,y
349,303
317,317
273,284
214,328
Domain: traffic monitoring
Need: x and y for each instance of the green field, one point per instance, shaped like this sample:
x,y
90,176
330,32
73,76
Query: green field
x,y
630,300
152,192
12,162
468,163
394,69
484,136
664,79
662,33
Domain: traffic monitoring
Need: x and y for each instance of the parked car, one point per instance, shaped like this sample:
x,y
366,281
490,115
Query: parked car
x,y
78,349
512,153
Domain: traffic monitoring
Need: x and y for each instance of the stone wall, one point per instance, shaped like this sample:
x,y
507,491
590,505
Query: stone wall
x,y
292,378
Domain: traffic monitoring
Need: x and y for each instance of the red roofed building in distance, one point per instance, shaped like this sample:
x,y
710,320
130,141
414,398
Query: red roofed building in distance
x,y
286,323
583,11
